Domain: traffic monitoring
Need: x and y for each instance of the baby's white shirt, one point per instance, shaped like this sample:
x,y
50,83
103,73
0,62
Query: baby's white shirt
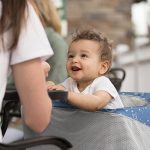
x,y
99,84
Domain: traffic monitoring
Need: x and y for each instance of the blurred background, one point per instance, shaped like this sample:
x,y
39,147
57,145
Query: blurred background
x,y
126,23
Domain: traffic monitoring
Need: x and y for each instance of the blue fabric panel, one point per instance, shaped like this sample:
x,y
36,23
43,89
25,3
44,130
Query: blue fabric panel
x,y
139,113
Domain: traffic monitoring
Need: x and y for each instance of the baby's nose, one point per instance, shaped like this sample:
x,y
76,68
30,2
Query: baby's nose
x,y
75,59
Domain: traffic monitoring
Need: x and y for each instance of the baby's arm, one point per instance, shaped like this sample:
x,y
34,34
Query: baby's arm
x,y
89,102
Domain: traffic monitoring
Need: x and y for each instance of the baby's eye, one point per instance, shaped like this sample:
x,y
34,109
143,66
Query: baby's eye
x,y
84,56
70,56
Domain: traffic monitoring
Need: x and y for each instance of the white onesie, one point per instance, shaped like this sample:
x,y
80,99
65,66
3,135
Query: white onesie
x,y
100,83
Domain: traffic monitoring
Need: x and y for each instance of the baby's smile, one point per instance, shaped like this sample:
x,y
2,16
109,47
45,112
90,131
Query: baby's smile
x,y
75,68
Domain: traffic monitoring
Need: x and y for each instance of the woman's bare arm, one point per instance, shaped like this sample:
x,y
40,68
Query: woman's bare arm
x,y
30,83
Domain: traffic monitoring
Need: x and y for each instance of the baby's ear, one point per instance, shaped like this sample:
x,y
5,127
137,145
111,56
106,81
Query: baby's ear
x,y
104,66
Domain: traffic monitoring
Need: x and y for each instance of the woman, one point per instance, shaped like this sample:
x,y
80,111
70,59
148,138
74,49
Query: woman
x,y
23,44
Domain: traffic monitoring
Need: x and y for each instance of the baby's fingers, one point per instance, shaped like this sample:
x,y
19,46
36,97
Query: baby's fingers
x,y
52,87
60,87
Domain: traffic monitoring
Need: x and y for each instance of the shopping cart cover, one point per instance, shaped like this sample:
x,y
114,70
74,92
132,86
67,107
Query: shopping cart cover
x,y
118,129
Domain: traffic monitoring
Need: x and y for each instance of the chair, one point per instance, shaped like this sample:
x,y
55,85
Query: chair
x,y
47,140
107,129
11,108
117,76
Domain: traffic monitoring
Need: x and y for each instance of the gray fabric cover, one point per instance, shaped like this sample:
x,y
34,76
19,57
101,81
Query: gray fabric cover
x,y
95,131
133,101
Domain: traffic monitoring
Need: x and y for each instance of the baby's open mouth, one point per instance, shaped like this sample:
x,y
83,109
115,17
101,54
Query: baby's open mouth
x,y
75,68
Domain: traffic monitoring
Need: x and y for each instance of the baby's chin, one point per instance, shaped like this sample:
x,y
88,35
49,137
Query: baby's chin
x,y
77,79
82,80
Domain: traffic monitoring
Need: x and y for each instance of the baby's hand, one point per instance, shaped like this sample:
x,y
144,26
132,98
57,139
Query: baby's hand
x,y
51,86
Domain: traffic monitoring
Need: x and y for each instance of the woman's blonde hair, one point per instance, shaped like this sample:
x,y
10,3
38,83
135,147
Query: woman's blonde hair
x,y
47,13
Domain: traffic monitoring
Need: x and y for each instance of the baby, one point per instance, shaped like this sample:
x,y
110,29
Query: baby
x,y
89,60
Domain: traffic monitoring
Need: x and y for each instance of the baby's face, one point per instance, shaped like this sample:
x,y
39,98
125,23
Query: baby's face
x,y
83,63
46,68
